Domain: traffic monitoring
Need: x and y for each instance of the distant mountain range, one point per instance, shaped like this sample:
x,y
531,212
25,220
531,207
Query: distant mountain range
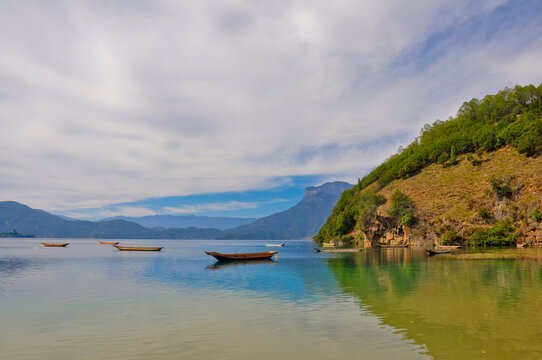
x,y
300,221
185,221
42,224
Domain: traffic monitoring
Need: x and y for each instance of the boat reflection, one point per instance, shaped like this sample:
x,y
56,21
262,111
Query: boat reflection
x,y
223,264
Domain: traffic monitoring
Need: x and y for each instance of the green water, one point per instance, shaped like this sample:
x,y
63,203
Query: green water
x,y
93,302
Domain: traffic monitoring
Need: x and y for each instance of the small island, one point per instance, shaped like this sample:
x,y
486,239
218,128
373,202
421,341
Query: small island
x,y
14,234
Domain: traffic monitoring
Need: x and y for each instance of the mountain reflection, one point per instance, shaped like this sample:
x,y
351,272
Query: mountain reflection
x,y
11,267
457,308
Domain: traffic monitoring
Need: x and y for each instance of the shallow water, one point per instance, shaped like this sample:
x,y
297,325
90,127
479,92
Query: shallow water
x,y
90,301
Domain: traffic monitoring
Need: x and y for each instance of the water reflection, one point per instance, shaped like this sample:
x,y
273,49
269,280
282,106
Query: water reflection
x,y
459,309
11,267
223,264
387,303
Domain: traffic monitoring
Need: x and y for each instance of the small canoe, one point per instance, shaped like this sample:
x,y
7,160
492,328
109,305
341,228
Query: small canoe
x,y
138,248
55,245
337,250
108,242
241,256
436,252
447,247
385,246
328,245
274,244
521,246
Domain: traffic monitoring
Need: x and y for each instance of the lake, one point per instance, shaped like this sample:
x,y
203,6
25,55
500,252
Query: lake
x,y
90,301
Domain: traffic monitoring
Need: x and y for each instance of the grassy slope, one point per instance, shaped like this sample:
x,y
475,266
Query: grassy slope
x,y
451,196
456,193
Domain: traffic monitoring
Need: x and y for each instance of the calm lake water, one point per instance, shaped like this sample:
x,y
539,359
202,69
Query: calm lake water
x,y
90,301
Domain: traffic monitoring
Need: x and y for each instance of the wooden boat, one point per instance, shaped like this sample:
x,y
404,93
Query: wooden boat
x,y
55,245
447,247
241,256
521,246
386,246
274,244
436,252
337,250
138,248
108,242
328,245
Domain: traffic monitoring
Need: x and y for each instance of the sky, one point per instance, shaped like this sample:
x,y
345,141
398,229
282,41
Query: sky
x,y
232,108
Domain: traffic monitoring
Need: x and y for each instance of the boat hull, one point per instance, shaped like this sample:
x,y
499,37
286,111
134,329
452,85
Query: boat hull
x,y
391,246
447,247
241,256
55,245
138,248
436,252
337,250
108,242
276,245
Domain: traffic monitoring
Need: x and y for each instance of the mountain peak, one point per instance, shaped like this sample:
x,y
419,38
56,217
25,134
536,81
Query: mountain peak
x,y
300,221
334,188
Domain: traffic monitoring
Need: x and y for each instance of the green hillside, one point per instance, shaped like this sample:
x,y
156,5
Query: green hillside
x,y
475,178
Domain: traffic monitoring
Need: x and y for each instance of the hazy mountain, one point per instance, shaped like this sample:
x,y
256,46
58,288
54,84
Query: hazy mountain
x,y
300,221
186,221
42,224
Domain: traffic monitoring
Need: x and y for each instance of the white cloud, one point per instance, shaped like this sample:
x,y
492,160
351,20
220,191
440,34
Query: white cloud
x,y
111,102
135,211
219,206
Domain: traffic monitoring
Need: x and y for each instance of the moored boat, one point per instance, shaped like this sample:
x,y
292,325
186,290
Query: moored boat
x,y
521,246
337,250
447,247
241,256
328,245
138,248
274,244
436,252
108,242
386,246
55,245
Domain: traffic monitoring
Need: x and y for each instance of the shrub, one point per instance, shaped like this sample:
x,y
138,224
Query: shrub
x,y
402,207
369,202
443,158
347,241
484,213
409,219
500,234
501,187
476,162
453,159
451,237
537,215
344,224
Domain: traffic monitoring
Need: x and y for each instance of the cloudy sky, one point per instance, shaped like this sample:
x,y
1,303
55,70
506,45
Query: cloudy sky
x,y
233,107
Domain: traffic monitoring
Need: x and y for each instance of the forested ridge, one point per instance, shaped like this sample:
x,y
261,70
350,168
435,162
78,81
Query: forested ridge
x,y
510,118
